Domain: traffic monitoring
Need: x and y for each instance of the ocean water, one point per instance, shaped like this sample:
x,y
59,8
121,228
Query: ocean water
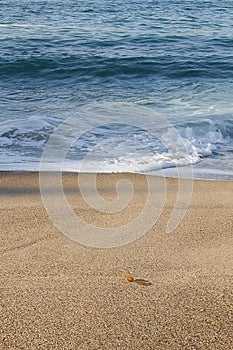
x,y
138,86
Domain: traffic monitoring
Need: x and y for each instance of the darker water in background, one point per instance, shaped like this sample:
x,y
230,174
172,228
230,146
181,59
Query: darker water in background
x,y
173,56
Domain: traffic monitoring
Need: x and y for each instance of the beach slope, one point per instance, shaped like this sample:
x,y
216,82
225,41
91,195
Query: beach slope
x,y
58,294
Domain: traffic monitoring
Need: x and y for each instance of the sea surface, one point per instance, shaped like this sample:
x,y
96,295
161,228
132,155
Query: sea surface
x,y
129,86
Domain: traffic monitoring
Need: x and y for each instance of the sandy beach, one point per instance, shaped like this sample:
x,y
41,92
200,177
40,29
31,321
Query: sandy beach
x,y
58,294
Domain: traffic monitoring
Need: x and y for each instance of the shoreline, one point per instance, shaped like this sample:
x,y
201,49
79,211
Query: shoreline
x,y
159,175
57,293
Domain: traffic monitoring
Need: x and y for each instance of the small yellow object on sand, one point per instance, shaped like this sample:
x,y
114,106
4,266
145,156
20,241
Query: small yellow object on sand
x,y
139,281
129,278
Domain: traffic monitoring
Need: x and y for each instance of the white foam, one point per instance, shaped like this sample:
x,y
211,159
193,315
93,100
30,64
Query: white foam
x,y
113,150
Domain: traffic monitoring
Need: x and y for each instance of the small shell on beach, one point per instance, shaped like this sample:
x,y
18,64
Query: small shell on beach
x,y
139,281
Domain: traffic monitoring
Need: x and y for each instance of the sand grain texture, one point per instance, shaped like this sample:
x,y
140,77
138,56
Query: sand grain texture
x,y
57,294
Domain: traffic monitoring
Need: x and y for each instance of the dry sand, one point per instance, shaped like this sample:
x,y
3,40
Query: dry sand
x,y
57,294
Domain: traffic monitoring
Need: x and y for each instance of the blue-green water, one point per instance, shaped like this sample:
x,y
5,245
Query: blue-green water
x,y
173,56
